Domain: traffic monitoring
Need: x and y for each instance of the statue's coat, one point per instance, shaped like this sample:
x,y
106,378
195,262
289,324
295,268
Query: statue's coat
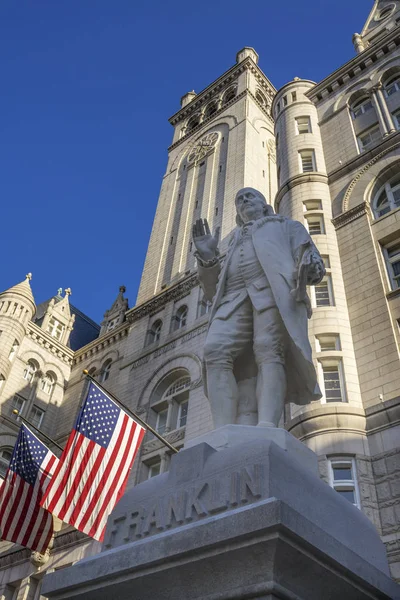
x,y
279,244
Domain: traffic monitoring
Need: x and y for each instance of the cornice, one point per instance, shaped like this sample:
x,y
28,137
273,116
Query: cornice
x,y
152,306
387,144
350,215
355,66
327,418
44,339
206,121
225,80
102,342
299,180
383,415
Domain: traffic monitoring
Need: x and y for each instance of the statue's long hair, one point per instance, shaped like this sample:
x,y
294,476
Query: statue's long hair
x,y
268,210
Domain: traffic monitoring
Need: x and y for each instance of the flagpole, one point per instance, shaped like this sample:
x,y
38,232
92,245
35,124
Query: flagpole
x,y
49,439
133,414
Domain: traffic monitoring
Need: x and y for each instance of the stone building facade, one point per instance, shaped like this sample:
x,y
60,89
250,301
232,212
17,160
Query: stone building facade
x,y
326,154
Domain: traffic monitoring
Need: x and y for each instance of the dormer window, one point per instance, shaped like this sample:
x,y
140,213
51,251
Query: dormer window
x,y
385,12
112,324
360,107
55,328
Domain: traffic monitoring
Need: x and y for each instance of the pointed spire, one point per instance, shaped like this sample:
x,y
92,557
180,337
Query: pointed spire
x,y
23,289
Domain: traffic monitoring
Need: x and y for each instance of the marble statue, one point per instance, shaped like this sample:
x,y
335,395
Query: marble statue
x,y
257,355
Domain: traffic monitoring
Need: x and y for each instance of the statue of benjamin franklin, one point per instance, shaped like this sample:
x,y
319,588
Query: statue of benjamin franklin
x,y
258,320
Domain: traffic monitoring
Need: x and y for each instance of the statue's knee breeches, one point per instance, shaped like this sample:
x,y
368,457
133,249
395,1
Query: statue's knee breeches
x,y
217,352
270,337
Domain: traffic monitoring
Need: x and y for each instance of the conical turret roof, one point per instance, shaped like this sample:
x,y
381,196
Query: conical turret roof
x,y
22,289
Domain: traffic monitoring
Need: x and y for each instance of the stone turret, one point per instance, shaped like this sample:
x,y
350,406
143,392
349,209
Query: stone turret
x,y
17,308
56,317
116,314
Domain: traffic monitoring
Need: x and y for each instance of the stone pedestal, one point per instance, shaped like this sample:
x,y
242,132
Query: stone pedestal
x,y
248,520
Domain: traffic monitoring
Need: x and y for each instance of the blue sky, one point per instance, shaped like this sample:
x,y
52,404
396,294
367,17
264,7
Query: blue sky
x,y
86,91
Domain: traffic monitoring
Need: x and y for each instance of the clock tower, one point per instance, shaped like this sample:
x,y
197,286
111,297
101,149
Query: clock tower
x,y
223,140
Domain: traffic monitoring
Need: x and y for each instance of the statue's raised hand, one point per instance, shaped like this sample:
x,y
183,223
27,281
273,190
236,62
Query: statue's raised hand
x,y
206,244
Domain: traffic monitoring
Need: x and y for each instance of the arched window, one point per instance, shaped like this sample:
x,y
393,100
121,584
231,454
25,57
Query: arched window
x,y
361,106
387,198
92,371
30,370
105,371
229,95
154,333
170,411
14,350
392,85
48,382
5,457
211,109
192,123
261,99
179,320
178,386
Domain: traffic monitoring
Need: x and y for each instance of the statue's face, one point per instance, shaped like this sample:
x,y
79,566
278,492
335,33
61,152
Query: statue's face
x,y
249,205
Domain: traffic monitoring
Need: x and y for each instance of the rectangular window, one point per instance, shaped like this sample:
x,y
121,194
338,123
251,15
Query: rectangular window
x,y
162,421
328,342
154,470
324,292
315,224
284,100
333,383
36,416
303,125
368,138
327,261
294,96
307,160
18,404
182,414
343,478
392,257
55,328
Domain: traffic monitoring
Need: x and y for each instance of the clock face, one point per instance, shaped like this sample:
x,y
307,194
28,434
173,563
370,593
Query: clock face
x,y
203,147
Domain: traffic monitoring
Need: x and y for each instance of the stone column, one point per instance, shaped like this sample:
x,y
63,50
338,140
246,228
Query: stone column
x,y
382,122
384,107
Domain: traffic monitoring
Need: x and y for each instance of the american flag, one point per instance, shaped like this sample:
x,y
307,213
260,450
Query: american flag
x,y
94,466
22,520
